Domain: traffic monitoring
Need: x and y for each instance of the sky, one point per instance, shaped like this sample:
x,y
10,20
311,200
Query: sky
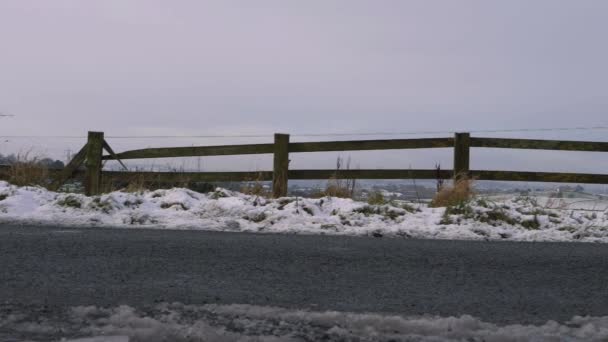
x,y
135,67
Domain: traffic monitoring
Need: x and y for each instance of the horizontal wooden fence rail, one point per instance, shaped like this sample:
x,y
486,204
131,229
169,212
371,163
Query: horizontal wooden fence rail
x,y
246,176
366,145
323,146
528,176
180,177
200,151
370,174
531,144
91,156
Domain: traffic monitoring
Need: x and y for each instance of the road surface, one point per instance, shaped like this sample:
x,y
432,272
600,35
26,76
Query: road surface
x,y
500,282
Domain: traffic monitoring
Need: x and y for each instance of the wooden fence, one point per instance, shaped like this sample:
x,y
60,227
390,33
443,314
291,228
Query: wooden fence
x,y
92,156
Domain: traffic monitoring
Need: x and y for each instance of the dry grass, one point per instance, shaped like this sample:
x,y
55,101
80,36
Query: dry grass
x,y
376,198
27,170
137,184
255,187
338,186
452,195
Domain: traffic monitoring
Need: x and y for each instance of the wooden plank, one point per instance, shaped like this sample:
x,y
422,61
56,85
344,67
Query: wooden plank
x,y
363,145
527,176
108,148
68,171
280,165
532,144
94,153
371,174
177,177
462,142
193,151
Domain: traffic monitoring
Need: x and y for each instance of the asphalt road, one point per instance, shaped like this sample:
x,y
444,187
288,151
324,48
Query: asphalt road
x,y
499,282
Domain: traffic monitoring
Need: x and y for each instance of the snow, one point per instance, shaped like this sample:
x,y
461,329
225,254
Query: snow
x,y
212,322
507,218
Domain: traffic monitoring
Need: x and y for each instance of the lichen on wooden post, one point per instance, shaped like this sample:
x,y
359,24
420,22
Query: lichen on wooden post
x,y
94,164
281,165
462,147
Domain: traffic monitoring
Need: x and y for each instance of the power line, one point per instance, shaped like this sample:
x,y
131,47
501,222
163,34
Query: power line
x,y
315,134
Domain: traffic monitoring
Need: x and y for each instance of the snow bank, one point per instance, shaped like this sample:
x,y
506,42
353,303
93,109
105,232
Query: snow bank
x,y
517,218
178,322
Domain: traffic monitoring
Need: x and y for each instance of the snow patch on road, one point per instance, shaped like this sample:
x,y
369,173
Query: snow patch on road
x,y
515,218
178,322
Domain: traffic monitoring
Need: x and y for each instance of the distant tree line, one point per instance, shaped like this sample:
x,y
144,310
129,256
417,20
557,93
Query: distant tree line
x,y
45,162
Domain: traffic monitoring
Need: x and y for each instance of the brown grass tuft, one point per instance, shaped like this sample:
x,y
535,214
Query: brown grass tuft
x,y
338,186
255,187
137,184
451,195
28,171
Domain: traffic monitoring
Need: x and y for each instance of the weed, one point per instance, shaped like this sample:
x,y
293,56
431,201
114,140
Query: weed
x,y
496,215
409,208
70,201
257,217
218,193
392,214
338,186
532,224
329,226
28,171
367,210
570,229
446,219
386,211
105,206
135,203
461,209
440,181
459,193
175,205
137,184
376,198
256,187
308,211
482,203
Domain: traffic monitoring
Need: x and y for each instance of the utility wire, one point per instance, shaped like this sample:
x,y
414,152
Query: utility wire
x,y
317,134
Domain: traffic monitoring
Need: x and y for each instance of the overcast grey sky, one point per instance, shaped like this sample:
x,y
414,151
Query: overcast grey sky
x,y
135,67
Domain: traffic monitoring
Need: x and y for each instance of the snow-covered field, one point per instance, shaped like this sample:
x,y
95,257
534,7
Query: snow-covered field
x,y
513,218
211,322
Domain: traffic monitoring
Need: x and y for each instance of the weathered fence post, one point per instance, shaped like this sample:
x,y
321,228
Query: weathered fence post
x,y
281,165
93,164
462,146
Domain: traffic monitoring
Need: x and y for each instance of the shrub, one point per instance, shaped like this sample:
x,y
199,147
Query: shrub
x,y
449,196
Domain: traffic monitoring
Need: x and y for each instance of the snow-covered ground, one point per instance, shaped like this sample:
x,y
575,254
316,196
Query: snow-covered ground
x,y
512,218
211,322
